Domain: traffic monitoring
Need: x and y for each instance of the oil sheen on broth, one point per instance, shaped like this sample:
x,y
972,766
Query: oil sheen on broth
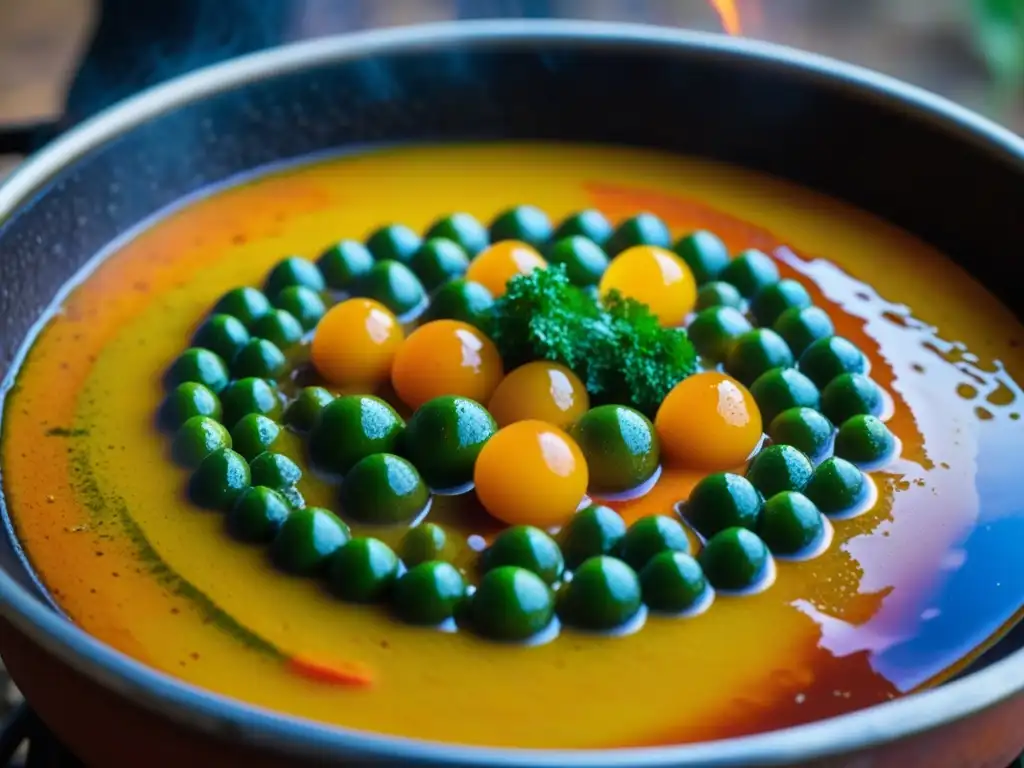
x,y
907,593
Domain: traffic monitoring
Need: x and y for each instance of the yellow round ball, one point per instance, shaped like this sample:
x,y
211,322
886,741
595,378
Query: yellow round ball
x,y
355,343
543,391
446,357
656,277
531,473
495,266
708,421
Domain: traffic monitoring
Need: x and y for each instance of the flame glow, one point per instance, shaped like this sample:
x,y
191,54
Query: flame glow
x,y
729,14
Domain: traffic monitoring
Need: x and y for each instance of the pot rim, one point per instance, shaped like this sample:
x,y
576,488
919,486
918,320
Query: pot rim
x,y
235,720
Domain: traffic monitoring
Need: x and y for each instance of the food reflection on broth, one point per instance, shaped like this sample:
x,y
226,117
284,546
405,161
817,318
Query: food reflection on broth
x,y
305,421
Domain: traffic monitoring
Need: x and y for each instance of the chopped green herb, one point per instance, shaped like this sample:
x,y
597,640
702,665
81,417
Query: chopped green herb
x,y
618,348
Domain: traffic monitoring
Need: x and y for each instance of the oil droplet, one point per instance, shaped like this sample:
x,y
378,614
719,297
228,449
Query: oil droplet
x,y
966,391
983,413
1001,394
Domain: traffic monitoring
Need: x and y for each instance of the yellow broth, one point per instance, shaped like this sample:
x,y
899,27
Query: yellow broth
x,y
906,594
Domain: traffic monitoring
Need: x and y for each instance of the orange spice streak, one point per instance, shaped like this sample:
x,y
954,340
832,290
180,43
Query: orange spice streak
x,y
333,674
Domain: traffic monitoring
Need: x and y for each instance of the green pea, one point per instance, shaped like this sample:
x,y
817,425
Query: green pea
x,y
837,486
801,327
394,285
364,570
253,434
444,437
588,223
196,439
864,440
779,468
803,428
704,253
511,604
307,540
718,294
261,359
246,304
780,389
463,229
851,394
437,261
604,594
250,395
751,272
755,352
223,335
344,263
427,541
279,328
526,223
734,559
672,582
714,330
650,535
303,304
185,401
462,300
198,366
641,229
526,547
790,523
304,411
274,470
383,489
428,594
219,480
596,530
351,428
774,299
394,242
584,260
723,500
292,271
257,515
620,446
825,359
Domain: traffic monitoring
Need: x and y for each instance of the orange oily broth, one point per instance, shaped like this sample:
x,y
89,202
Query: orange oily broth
x,y
872,617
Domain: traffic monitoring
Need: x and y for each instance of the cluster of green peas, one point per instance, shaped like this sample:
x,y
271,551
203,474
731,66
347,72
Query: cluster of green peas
x,y
241,352
820,408
806,380
612,570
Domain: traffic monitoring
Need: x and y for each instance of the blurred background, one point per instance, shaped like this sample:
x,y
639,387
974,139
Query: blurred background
x,y
969,50
62,60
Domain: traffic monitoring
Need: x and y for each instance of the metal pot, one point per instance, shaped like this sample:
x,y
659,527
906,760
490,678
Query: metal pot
x,y
940,172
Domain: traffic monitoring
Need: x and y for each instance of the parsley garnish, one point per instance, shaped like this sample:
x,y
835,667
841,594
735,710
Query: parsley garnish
x,y
616,347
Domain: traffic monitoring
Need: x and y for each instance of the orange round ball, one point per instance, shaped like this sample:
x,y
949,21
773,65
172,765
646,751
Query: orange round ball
x,y
446,357
708,421
655,277
531,473
543,391
495,266
355,343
